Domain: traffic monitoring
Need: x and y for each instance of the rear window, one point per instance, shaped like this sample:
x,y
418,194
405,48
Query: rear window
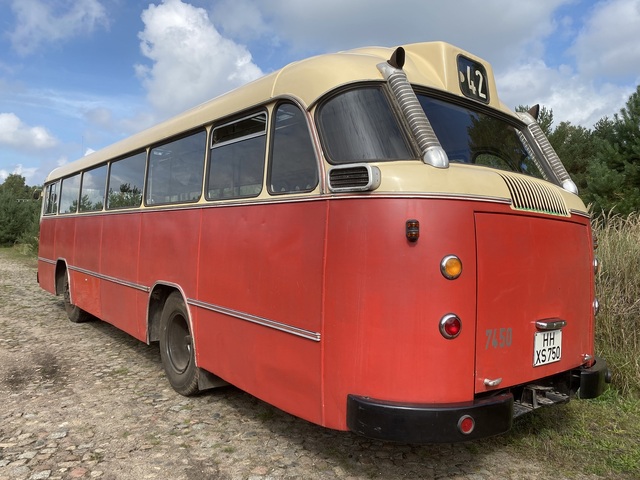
x,y
358,125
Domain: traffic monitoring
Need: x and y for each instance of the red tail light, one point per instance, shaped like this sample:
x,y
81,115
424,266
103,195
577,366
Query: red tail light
x,y
450,326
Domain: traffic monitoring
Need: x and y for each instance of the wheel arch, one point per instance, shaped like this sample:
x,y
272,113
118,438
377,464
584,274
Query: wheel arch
x,y
157,297
61,270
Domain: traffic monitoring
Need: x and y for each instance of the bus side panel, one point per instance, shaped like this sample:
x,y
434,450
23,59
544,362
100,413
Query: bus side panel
x,y
265,261
169,248
64,242
46,249
385,297
86,287
120,300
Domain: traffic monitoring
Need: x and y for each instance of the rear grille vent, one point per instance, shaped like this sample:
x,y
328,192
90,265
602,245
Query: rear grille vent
x,y
359,177
534,196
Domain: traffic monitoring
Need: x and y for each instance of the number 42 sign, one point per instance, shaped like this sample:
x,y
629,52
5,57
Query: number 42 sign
x,y
473,79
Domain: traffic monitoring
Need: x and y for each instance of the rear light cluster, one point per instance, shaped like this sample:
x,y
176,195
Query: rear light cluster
x,y
450,324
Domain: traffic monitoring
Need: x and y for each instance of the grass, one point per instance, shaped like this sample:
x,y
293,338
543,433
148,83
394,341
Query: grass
x,y
599,436
21,253
618,290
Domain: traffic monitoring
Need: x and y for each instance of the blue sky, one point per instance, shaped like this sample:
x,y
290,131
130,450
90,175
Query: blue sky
x,y
78,75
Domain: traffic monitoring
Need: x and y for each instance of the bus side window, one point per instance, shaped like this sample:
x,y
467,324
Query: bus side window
x,y
236,168
176,169
69,193
126,178
292,166
93,187
51,199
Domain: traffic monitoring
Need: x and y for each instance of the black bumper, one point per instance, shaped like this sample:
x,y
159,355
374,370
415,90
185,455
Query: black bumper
x,y
593,379
419,423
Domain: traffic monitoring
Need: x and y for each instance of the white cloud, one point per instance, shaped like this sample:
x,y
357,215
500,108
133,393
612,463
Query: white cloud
x,y
608,44
16,134
38,22
26,172
240,19
572,97
191,61
332,25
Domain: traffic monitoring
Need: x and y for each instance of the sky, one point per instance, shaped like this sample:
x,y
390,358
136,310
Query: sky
x,y
78,75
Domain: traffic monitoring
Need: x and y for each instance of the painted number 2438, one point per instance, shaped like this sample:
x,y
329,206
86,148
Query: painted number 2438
x,y
499,337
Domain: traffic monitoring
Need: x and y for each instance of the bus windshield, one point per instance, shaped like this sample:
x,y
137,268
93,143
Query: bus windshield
x,y
359,125
475,138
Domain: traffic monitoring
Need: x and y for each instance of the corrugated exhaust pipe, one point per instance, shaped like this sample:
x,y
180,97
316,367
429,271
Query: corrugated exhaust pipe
x,y
547,150
432,152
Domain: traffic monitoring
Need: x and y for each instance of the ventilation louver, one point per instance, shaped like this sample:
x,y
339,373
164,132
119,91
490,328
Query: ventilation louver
x,y
359,177
534,196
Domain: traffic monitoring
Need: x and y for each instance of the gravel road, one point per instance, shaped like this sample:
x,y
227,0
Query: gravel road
x,y
88,401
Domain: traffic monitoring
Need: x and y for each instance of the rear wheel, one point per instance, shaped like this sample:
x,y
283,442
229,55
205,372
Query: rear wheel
x,y
75,313
176,346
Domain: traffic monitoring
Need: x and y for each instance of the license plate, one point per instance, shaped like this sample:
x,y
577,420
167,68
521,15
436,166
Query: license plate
x,y
547,347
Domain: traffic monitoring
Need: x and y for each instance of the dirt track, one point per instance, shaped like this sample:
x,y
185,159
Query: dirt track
x,y
87,401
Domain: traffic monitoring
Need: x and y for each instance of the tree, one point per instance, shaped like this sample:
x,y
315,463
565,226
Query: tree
x,y
615,170
15,186
19,212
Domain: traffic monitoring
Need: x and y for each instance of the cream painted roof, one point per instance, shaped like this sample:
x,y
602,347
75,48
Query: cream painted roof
x,y
430,64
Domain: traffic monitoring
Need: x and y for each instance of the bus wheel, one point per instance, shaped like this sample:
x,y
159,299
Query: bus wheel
x,y
75,314
176,346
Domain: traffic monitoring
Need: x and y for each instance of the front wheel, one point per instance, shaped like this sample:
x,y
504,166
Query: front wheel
x,y
176,346
75,313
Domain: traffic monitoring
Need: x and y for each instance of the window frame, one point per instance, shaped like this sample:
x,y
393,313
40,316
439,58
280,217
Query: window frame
x,y
47,198
272,135
132,154
245,115
104,192
77,174
403,127
166,141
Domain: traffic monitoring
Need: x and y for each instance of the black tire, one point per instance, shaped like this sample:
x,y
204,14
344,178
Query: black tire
x,y
176,346
75,314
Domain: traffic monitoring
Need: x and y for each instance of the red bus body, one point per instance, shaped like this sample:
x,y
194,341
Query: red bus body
x,y
322,306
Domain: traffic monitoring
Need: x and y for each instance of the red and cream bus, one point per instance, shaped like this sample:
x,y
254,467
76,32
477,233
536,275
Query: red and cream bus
x,y
368,240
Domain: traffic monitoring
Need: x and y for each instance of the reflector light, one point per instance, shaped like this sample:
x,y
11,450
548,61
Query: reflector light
x,y
466,424
451,267
450,326
413,230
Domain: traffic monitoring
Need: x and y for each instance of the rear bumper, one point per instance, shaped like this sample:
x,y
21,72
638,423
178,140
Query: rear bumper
x,y
426,423
593,380
419,423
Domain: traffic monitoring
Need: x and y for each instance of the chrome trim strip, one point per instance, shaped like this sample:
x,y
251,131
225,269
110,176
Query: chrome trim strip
x,y
302,199
117,281
46,260
283,327
580,213
430,196
551,324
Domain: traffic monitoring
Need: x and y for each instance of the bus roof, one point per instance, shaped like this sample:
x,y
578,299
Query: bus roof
x,y
432,64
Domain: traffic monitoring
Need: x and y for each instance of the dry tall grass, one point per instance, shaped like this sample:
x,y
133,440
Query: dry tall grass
x,y
618,290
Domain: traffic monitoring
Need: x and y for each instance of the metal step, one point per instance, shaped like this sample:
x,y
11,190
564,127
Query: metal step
x,y
537,396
